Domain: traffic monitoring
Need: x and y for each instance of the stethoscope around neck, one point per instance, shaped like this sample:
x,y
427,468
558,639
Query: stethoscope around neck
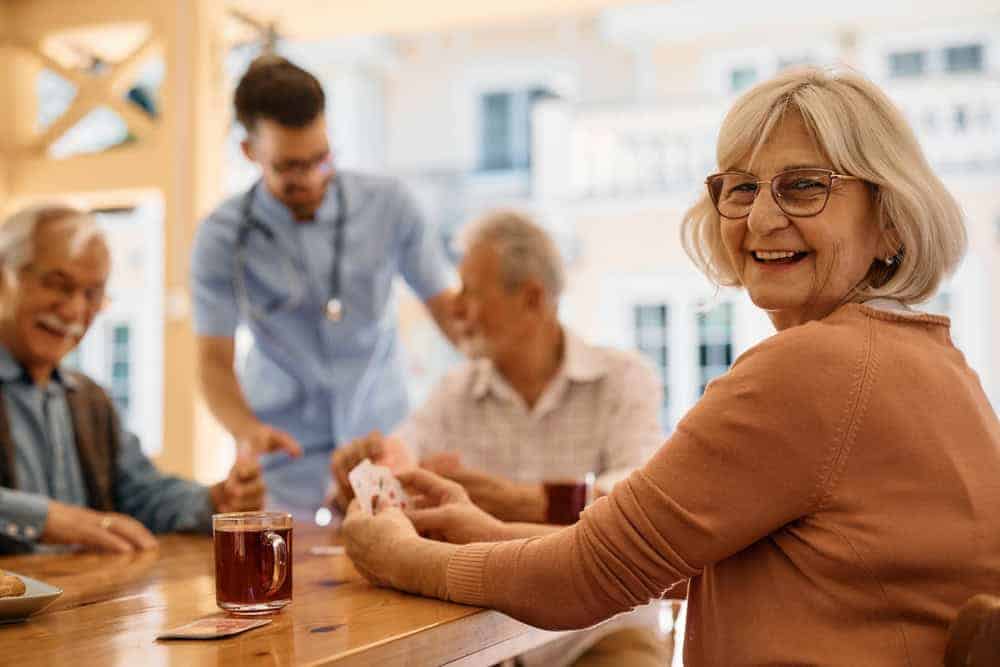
x,y
334,309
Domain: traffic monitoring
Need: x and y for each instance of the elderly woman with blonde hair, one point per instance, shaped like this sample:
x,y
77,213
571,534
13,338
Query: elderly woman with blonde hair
x,y
831,500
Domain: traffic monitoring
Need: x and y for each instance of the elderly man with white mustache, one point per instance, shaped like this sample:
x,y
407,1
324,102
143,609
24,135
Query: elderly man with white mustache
x,y
69,473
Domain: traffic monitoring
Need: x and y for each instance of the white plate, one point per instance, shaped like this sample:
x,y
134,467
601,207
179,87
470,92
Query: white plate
x,y
38,596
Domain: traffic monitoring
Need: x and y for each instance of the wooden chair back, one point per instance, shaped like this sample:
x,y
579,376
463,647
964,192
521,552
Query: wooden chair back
x,y
974,636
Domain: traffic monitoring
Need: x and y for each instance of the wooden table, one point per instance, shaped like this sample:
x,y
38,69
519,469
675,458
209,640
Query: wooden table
x,y
114,606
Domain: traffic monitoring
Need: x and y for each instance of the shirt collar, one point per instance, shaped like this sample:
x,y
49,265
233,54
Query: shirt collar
x,y
482,377
884,303
272,211
65,377
329,208
11,370
581,363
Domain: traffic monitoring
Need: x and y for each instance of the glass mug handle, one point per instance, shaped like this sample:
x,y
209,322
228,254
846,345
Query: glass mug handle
x,y
280,560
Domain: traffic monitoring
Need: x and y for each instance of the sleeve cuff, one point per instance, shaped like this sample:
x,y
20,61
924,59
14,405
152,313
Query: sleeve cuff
x,y
211,325
203,523
23,515
428,287
466,574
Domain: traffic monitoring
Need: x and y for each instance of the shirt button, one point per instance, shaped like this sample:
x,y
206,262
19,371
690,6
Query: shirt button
x,y
30,532
12,529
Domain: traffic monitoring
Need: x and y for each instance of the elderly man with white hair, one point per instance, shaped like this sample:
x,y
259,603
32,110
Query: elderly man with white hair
x,y
534,403
69,473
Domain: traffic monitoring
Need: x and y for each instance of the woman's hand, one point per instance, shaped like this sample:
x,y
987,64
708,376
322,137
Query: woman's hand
x,y
443,511
381,450
387,551
503,498
377,545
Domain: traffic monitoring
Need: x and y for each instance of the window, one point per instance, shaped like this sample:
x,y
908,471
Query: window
x,y
715,343
497,130
652,324
961,117
965,58
506,128
120,367
741,77
54,95
907,64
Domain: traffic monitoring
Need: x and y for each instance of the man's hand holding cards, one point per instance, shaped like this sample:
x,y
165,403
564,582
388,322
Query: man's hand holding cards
x,y
376,488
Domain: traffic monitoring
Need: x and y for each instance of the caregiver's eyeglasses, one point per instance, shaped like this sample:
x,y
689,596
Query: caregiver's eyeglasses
x,y
800,193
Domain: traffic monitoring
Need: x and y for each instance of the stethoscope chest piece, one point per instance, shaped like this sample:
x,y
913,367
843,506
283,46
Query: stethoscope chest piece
x,y
334,310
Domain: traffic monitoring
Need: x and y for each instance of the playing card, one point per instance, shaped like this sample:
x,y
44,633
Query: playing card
x,y
213,628
376,487
362,481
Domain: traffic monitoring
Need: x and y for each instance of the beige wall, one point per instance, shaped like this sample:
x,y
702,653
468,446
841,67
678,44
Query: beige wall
x,y
432,89
6,95
194,115
17,106
309,19
638,243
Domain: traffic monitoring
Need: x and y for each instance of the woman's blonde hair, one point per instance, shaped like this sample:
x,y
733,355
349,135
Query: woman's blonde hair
x,y
863,134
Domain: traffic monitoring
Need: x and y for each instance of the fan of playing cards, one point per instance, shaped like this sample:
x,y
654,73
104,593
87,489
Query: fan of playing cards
x,y
376,488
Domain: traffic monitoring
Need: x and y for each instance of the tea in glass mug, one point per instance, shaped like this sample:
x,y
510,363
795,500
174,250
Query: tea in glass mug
x,y
566,498
253,561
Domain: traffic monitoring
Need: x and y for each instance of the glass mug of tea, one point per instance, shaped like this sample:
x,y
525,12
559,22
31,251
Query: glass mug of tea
x,y
253,561
566,498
